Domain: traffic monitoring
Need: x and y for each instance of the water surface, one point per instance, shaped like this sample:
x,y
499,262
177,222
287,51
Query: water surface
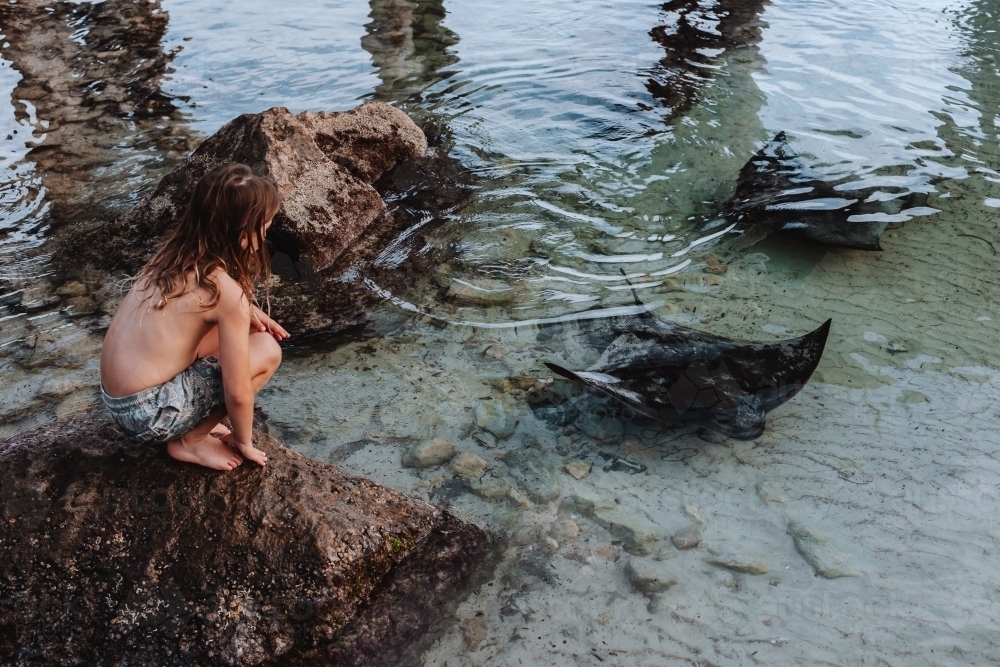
x,y
581,172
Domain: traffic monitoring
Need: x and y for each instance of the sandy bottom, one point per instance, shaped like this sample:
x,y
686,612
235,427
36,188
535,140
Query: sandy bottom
x,y
898,482
895,480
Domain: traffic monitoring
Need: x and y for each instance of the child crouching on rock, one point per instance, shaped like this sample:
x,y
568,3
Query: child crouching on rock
x,y
188,344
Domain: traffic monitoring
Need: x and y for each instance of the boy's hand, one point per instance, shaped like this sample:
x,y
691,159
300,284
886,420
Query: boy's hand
x,y
260,322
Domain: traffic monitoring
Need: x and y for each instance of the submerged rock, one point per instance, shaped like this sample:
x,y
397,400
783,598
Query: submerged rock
x,y
496,417
692,511
120,555
736,557
649,577
489,487
428,454
486,439
639,535
578,469
687,538
467,464
821,554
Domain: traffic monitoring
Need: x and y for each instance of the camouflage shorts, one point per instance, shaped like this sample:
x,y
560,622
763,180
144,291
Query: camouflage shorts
x,y
168,411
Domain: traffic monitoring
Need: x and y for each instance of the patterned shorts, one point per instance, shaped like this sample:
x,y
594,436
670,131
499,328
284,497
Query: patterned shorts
x,y
168,411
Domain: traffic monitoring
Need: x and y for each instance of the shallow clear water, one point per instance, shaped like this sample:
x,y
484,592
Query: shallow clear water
x,y
889,454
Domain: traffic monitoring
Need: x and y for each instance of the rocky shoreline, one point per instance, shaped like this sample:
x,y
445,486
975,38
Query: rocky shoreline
x,y
124,556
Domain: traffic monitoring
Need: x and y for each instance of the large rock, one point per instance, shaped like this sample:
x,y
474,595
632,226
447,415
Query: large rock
x,y
323,163
119,555
360,194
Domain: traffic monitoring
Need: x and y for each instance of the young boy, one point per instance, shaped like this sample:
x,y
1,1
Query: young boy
x,y
188,344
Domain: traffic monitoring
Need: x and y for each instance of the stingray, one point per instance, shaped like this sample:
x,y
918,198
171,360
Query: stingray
x,y
777,191
677,375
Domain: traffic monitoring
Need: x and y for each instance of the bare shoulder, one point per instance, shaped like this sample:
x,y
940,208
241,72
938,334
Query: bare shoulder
x,y
232,300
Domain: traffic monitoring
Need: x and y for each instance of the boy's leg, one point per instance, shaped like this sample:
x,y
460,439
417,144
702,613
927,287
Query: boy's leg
x,y
199,445
265,357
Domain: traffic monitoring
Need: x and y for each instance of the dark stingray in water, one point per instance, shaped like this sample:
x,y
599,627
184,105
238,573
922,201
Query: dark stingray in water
x,y
777,191
675,375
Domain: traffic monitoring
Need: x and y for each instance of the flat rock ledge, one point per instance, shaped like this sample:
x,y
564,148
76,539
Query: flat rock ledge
x,y
117,555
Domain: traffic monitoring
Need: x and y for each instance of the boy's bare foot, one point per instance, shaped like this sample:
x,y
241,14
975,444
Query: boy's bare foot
x,y
248,450
219,431
207,451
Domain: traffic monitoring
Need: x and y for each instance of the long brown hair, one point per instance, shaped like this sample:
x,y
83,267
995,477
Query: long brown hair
x,y
224,220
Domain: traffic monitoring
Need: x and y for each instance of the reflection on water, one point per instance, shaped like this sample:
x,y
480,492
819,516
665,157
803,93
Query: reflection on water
x,y
696,38
22,201
409,46
887,458
90,123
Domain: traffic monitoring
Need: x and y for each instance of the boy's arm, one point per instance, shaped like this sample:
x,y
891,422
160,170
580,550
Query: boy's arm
x,y
233,318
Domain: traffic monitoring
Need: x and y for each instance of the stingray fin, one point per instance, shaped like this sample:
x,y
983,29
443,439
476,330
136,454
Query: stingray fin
x,y
565,372
607,385
810,348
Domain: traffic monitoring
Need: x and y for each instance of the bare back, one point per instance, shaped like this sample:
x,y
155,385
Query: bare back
x,y
145,347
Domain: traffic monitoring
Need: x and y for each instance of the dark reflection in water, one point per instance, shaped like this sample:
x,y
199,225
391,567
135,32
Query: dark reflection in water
x,y
980,25
695,36
95,94
409,46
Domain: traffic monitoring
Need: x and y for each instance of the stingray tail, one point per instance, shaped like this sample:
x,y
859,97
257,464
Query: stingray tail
x,y
635,295
565,372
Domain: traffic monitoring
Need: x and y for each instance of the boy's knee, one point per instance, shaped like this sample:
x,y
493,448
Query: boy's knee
x,y
273,352
266,350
